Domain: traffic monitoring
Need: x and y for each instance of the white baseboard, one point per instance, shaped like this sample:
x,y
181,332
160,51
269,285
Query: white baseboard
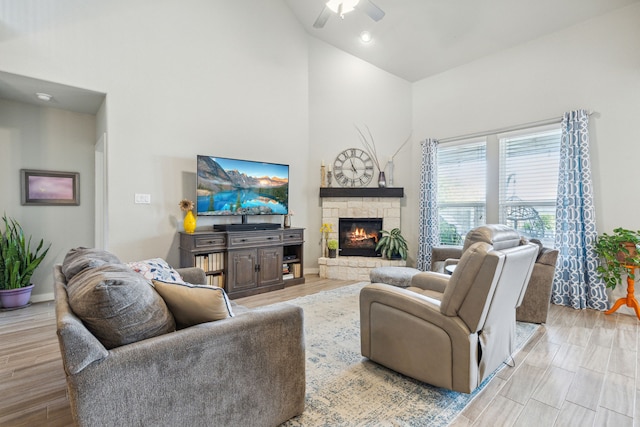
x,y
312,270
42,297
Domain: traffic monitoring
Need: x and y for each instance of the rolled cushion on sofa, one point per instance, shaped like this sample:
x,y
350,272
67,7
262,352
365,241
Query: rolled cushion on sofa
x,y
79,259
118,305
194,304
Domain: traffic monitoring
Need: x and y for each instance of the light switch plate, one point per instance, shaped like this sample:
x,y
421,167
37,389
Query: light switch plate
x,y
141,198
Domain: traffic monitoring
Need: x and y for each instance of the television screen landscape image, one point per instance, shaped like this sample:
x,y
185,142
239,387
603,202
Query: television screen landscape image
x,y
241,187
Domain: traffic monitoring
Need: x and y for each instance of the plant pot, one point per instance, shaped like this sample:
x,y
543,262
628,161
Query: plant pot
x,y
333,253
15,298
631,247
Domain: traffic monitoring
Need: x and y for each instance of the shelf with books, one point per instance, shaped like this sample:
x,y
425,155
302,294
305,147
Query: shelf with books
x,y
292,256
205,251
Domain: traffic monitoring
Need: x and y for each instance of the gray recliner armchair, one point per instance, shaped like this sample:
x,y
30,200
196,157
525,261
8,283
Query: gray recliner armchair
x,y
535,305
449,331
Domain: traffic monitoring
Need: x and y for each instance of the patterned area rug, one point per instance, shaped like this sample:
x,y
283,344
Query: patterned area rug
x,y
346,389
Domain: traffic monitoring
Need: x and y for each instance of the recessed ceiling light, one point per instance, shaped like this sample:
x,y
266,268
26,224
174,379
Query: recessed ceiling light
x,y
365,37
43,96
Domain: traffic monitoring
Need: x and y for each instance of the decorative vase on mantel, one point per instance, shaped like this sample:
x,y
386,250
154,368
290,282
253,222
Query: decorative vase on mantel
x,y
382,181
189,222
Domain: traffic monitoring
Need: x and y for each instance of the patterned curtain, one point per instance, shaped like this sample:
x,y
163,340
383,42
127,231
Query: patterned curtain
x,y
428,222
575,282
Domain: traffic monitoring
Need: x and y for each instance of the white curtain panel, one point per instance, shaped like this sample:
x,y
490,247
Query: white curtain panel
x,y
576,283
428,215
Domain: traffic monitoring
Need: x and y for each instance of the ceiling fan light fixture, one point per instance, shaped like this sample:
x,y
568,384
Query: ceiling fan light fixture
x,y
342,6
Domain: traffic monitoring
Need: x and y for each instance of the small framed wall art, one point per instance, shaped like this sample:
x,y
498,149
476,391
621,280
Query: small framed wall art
x,y
46,188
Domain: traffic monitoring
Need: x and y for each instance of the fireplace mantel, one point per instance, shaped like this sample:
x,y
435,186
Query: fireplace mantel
x,y
362,192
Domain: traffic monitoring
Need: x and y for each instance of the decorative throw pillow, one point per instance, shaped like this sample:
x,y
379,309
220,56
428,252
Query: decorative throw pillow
x,y
193,304
80,258
156,269
118,305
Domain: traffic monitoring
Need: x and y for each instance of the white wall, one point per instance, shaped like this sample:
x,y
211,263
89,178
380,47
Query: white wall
x,y
242,79
345,91
235,79
226,78
34,137
594,65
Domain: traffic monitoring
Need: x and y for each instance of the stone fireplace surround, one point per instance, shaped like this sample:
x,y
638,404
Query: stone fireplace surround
x,y
358,203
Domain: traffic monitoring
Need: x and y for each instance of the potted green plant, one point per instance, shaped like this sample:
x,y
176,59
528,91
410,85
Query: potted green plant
x,y
332,245
392,245
616,251
17,264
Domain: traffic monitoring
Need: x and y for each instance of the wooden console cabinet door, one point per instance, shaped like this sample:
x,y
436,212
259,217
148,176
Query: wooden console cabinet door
x,y
270,270
242,270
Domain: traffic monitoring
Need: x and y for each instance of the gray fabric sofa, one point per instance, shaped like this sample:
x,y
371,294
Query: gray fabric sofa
x,y
247,370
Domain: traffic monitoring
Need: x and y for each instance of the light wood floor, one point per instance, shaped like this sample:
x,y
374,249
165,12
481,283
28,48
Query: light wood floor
x,y
581,369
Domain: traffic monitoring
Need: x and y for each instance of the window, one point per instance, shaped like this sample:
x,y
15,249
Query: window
x,y
510,179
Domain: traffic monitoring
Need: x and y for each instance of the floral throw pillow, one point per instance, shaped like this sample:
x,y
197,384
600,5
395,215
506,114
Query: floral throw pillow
x,y
156,269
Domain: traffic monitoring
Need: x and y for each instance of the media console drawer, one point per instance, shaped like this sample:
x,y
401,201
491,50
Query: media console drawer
x,y
292,236
217,241
252,239
203,241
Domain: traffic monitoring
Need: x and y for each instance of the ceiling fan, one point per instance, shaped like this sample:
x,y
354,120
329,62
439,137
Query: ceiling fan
x,y
345,6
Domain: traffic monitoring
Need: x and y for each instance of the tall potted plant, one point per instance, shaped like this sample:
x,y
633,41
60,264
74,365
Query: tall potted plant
x,y
392,244
617,252
17,264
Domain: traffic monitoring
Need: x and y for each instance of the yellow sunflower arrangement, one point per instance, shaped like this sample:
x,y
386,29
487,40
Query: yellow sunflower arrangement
x,y
186,205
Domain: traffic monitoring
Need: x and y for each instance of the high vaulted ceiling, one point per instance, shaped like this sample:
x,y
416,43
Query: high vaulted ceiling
x,y
420,38
415,39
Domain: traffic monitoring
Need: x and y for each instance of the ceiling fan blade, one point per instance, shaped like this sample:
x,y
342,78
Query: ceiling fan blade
x,y
322,18
370,9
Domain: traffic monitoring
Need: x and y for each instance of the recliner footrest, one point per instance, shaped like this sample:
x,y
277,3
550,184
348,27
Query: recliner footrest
x,y
396,276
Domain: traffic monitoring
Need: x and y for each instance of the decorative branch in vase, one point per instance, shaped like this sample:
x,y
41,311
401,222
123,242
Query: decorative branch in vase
x,y
370,146
390,162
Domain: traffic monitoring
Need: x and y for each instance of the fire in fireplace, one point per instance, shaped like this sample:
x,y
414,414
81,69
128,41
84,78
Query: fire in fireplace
x,y
359,236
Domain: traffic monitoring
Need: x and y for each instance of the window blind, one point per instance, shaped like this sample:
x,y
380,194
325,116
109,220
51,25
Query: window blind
x,y
461,189
529,182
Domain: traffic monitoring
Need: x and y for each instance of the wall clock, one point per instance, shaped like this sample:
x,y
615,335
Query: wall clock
x,y
353,168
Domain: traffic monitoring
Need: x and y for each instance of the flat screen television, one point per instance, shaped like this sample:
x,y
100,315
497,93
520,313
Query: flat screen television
x,y
241,187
